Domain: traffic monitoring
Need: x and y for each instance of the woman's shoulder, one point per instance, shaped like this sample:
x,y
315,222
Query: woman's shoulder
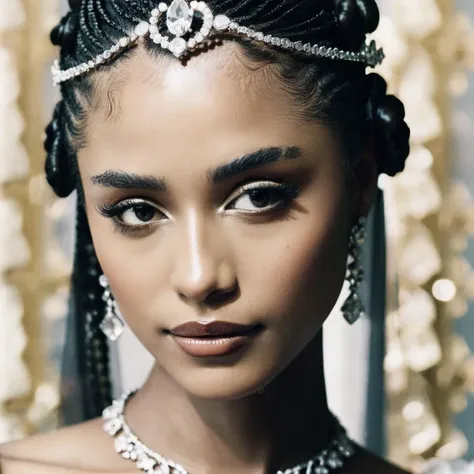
x,y
69,450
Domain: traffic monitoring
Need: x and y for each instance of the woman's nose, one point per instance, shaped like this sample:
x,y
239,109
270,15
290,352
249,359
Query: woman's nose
x,y
201,268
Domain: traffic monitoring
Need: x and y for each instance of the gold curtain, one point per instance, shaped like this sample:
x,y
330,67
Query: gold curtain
x,y
429,45
33,271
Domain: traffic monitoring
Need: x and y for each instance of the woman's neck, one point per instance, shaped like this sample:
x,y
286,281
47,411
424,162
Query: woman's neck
x,y
283,426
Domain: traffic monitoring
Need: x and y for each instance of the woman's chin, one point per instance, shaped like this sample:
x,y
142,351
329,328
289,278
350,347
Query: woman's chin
x,y
223,386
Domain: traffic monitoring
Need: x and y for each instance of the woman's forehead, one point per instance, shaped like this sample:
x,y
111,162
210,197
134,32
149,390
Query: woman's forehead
x,y
206,99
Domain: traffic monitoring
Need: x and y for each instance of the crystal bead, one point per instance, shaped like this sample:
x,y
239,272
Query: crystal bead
x,y
267,39
191,42
142,28
205,31
146,463
121,443
164,469
260,36
155,12
112,427
321,470
307,48
153,30
286,43
112,326
198,38
299,45
179,17
221,22
124,41
104,283
194,5
162,7
110,412
178,46
164,43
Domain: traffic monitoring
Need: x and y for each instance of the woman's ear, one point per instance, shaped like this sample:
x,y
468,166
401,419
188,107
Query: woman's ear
x,y
366,175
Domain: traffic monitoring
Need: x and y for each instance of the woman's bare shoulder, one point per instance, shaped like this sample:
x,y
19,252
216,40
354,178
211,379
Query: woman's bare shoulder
x,y
71,450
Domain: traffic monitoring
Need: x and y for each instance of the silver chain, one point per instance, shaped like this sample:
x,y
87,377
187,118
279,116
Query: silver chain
x,y
130,447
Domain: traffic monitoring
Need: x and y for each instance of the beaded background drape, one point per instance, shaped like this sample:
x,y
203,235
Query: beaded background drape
x,y
430,46
430,215
34,267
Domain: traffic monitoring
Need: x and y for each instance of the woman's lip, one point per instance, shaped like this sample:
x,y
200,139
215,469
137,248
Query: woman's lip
x,y
213,346
213,329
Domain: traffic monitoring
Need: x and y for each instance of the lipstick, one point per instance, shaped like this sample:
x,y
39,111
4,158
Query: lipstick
x,y
215,339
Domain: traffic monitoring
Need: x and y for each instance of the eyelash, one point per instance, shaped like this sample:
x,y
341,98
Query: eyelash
x,y
286,193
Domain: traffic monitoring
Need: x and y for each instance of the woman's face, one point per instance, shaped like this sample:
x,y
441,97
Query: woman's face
x,y
198,236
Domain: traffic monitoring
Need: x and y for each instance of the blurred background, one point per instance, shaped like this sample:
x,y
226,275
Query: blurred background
x,y
409,365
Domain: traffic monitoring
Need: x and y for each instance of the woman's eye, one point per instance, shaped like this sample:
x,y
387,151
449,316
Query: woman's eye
x,y
263,197
139,214
131,214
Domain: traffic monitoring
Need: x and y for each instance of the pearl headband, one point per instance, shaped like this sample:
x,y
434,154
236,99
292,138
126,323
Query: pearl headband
x,y
179,20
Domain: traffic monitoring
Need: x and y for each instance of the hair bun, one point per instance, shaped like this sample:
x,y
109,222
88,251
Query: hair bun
x,y
57,167
65,34
391,133
357,17
75,5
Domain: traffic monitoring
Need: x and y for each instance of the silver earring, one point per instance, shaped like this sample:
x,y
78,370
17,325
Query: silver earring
x,y
112,326
353,307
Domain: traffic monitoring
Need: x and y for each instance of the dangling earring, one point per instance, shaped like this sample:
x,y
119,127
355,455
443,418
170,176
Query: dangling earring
x,y
353,307
112,326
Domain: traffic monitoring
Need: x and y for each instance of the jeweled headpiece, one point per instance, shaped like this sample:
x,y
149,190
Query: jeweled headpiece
x,y
180,23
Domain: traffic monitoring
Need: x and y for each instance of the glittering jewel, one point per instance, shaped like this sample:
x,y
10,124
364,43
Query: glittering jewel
x,y
179,23
179,17
353,308
130,447
112,326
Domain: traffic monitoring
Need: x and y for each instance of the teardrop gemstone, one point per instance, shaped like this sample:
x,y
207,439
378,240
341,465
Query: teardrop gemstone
x,y
179,17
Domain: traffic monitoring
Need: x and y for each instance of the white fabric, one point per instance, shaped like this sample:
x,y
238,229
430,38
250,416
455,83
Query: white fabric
x,y
453,467
12,14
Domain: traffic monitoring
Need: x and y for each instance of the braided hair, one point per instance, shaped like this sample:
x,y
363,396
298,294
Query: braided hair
x,y
338,93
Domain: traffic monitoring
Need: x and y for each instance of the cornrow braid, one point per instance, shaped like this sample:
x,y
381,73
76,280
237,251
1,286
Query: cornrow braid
x,y
337,93
90,308
86,33
91,15
112,21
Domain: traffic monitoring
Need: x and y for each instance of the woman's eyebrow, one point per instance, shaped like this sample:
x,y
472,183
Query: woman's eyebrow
x,y
264,156
125,180
252,160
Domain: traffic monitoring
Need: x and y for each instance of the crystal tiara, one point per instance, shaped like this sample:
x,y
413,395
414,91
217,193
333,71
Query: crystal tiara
x,y
179,22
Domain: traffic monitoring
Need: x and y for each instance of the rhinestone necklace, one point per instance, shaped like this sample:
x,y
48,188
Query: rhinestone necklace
x,y
130,447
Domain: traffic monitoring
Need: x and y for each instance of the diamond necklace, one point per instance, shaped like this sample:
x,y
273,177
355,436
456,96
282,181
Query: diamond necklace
x,y
130,447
